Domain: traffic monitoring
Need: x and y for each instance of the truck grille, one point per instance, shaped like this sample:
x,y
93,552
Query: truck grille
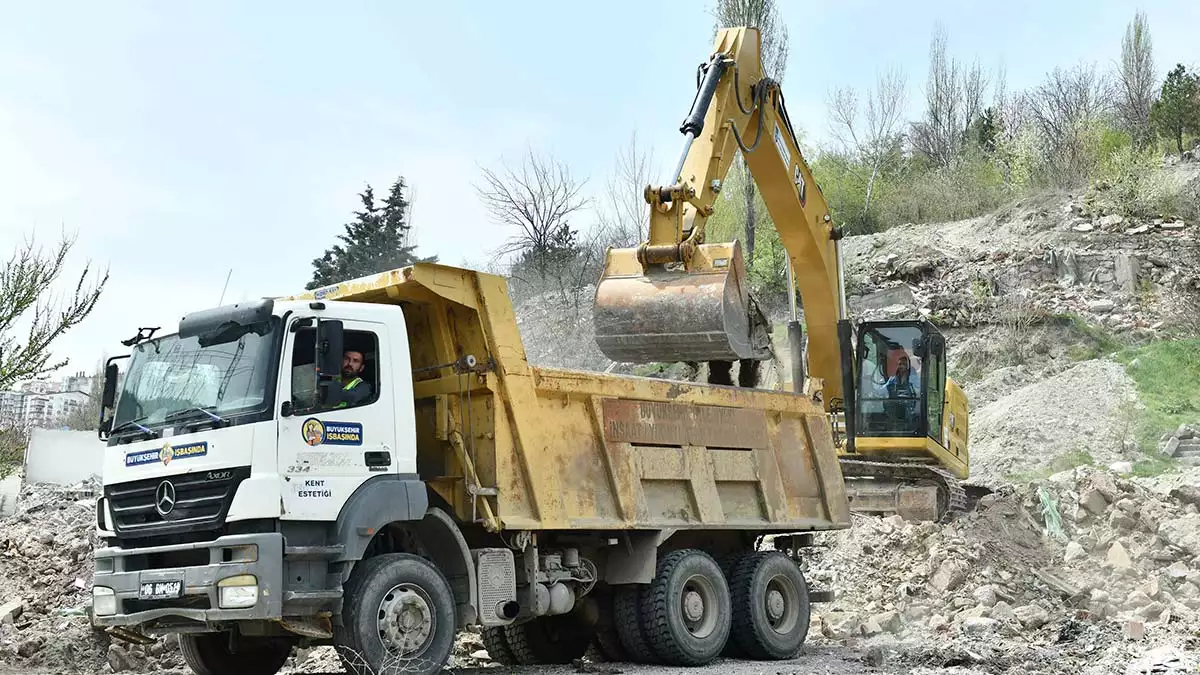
x,y
200,502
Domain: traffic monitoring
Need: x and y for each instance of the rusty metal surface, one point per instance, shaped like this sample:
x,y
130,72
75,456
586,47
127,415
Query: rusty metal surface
x,y
669,314
672,424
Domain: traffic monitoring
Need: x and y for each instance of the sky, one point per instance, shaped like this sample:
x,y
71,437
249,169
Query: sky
x,y
183,143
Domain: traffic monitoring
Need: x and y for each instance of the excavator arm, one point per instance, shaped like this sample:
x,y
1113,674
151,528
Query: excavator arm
x,y
676,297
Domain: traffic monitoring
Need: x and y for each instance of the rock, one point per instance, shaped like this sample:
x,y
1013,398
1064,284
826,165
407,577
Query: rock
x,y
985,595
119,659
1171,446
1177,225
1140,229
1031,616
1188,494
1120,520
1182,533
1151,588
11,611
30,647
1074,552
1082,227
481,655
1136,600
888,621
875,657
1177,570
937,622
870,628
1094,502
840,625
949,575
1118,557
1152,610
1002,611
979,624
1102,306
1121,467
971,613
1134,629
1111,220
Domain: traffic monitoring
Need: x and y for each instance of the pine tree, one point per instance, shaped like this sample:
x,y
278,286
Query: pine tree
x,y
376,241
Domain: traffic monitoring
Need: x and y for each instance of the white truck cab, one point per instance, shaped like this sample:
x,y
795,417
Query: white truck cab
x,y
246,470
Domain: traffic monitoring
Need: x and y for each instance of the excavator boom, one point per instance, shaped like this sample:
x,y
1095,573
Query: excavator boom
x,y
678,298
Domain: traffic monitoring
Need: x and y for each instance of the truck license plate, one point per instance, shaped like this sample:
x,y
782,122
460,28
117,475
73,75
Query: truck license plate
x,y
158,590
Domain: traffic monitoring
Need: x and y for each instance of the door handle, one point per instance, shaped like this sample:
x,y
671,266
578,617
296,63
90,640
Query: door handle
x,y
376,458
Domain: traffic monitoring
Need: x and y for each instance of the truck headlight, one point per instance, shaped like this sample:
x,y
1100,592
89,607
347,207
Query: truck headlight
x,y
237,592
104,601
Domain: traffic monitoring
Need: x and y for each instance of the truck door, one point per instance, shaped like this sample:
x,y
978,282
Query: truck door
x,y
327,449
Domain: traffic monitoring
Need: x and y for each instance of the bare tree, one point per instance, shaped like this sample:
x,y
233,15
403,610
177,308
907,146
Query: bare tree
x,y
536,199
953,99
1136,81
27,297
872,140
624,216
1061,109
765,16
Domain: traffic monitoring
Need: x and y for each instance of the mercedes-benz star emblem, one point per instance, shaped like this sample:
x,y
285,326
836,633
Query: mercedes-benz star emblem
x,y
164,498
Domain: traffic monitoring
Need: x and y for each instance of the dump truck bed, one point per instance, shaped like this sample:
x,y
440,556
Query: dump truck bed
x,y
512,446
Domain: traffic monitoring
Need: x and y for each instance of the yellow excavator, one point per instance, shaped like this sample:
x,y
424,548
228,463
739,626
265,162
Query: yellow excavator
x,y
898,420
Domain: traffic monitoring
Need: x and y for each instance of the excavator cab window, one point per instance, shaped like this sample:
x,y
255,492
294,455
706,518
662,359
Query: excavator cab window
x,y
897,373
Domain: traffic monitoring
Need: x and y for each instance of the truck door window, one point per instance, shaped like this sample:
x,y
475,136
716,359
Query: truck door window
x,y
358,384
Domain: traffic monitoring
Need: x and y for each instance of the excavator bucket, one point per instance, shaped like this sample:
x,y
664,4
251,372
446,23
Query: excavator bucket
x,y
666,313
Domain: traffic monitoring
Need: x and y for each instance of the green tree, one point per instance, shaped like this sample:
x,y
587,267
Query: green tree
x,y
1135,81
376,241
1177,111
28,303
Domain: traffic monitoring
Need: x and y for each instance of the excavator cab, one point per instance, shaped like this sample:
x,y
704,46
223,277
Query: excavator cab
x,y
902,405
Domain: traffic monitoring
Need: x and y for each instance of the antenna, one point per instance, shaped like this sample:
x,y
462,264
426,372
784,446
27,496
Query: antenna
x,y
225,287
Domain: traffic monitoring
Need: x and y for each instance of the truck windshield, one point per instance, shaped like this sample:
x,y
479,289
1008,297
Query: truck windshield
x,y
173,375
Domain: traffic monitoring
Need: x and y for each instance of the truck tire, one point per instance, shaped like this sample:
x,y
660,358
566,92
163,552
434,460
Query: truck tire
x,y
382,592
548,640
770,606
209,654
496,645
728,566
607,642
627,617
686,609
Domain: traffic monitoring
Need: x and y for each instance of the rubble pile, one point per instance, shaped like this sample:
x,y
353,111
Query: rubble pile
x,y
1183,445
45,589
1083,572
1085,408
1029,263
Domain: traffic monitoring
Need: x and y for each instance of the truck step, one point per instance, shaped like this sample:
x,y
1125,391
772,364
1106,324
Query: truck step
x,y
313,552
312,596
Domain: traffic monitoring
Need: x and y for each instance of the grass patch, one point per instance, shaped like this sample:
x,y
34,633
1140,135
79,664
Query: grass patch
x,y
1153,466
1167,377
1090,341
1065,462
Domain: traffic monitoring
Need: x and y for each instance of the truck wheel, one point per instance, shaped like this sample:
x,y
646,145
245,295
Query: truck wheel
x,y
770,606
686,609
209,654
728,566
627,617
548,640
496,644
607,642
398,616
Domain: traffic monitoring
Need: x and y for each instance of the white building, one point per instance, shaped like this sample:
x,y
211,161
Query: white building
x,y
44,403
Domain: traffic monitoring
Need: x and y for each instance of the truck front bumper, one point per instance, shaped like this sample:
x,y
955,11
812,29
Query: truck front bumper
x,y
201,567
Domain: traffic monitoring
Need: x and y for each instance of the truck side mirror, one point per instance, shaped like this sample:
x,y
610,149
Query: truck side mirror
x,y
109,398
329,357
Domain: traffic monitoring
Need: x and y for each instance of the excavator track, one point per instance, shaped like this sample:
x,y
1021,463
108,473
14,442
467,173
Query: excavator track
x,y
916,474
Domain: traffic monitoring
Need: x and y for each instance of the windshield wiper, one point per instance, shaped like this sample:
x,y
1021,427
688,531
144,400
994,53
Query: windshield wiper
x,y
133,424
215,418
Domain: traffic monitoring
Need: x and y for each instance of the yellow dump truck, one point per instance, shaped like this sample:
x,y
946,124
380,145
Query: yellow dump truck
x,y
375,465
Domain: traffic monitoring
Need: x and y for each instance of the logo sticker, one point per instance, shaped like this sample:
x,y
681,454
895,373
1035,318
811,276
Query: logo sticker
x,y
322,293
316,432
798,179
166,454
